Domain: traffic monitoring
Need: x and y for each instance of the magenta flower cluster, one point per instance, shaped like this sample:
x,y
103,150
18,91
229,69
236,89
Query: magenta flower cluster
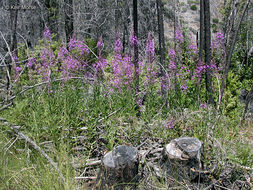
x,y
78,45
179,37
46,33
133,39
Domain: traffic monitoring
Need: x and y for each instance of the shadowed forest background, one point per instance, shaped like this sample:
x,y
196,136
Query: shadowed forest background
x,y
80,77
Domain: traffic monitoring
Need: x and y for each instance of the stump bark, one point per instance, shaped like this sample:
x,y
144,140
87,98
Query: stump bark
x,y
181,158
119,167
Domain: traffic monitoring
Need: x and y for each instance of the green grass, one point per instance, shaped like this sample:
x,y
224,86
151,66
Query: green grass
x,y
110,120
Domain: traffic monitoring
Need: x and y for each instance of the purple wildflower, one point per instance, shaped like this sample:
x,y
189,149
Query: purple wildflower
x,y
47,34
133,39
150,49
18,69
79,45
172,65
100,45
172,53
31,62
170,124
118,45
193,48
179,37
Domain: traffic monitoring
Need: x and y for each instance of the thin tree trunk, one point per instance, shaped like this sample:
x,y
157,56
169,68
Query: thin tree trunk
x,y
124,37
136,58
13,27
208,50
230,52
117,17
69,19
175,44
159,6
247,38
201,31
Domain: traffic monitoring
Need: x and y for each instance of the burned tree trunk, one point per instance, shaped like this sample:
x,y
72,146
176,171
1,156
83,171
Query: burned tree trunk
x,y
13,37
208,50
119,166
136,54
201,30
69,19
181,157
159,6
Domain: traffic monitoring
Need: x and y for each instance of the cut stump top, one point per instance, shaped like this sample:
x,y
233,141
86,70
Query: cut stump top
x,y
183,148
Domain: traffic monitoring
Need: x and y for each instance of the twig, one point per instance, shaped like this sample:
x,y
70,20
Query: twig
x,y
88,177
102,119
93,163
6,106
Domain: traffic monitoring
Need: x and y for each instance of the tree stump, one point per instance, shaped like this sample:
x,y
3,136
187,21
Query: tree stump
x,y
119,167
181,158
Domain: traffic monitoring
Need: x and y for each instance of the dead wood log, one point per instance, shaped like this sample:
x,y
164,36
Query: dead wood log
x,y
119,167
181,158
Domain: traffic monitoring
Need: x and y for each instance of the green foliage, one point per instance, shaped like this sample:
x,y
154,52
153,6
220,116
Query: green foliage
x,y
193,2
215,28
194,7
216,20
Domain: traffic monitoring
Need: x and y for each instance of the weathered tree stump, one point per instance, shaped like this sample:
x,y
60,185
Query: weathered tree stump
x,y
181,158
119,167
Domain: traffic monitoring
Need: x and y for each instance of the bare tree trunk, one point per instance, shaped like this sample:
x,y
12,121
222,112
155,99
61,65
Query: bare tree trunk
x,y
201,31
13,29
69,19
124,37
247,38
208,50
159,6
117,17
231,49
175,44
136,58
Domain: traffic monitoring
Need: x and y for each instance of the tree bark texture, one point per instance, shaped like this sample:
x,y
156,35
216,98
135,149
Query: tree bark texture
x,y
136,53
69,19
159,7
119,166
208,50
201,31
13,37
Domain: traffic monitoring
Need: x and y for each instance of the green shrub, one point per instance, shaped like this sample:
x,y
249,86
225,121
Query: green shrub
x,y
194,7
215,20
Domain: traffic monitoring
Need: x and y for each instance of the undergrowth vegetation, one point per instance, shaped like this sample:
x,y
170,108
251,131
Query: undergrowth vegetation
x,y
78,103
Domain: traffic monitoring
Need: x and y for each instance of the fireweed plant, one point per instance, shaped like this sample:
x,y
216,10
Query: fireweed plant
x,y
52,61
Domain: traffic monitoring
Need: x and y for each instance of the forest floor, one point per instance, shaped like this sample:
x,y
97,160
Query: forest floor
x,y
75,131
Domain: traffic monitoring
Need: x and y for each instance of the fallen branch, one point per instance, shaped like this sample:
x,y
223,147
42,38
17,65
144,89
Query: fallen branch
x,y
87,178
5,106
36,147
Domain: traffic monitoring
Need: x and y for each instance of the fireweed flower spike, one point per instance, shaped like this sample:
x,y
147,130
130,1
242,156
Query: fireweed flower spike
x,y
170,124
179,36
150,49
47,34
100,46
133,39
150,54
118,45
